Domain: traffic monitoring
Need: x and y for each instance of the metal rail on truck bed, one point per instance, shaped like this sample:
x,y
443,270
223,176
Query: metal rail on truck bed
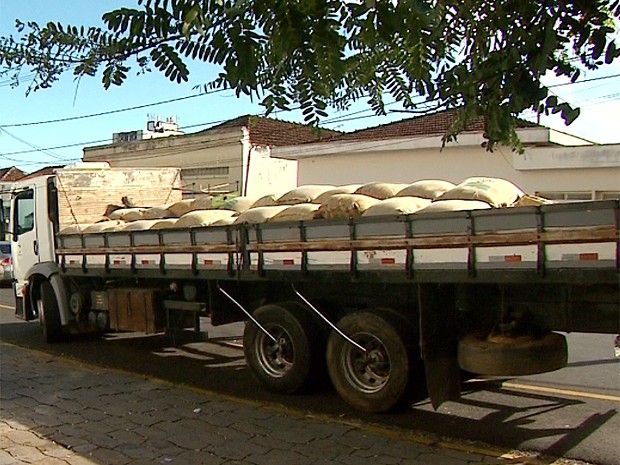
x,y
573,242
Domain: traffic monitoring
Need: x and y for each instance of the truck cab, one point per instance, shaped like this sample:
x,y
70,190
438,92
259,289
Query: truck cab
x,y
32,233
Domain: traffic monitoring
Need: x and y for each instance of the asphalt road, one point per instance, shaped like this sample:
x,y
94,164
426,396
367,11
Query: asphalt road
x,y
571,413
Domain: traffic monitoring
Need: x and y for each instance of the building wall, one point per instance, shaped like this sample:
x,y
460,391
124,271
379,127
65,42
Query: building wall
x,y
211,162
267,175
544,169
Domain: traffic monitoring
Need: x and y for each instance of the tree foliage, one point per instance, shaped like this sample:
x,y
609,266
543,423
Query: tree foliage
x,y
483,57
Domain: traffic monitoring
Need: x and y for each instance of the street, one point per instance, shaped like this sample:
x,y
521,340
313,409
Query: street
x,y
571,413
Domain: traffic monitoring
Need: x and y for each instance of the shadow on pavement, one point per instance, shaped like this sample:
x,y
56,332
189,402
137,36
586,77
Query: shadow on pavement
x,y
487,413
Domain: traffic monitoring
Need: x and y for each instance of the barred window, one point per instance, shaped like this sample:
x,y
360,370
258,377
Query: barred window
x,y
566,196
608,195
202,172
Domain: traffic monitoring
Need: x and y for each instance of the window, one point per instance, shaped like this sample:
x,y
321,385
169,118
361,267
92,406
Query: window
x,y
201,172
566,196
609,195
23,218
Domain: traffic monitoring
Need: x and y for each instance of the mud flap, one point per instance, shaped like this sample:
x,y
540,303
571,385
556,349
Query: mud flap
x,y
439,342
23,311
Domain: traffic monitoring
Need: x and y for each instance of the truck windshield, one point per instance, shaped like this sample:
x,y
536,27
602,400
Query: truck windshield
x,y
23,216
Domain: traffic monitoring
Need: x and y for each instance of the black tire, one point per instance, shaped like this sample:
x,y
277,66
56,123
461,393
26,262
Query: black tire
x,y
512,356
380,379
294,361
49,314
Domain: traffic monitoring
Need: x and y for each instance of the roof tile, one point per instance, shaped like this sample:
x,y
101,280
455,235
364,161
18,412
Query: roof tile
x,y
272,132
434,124
11,174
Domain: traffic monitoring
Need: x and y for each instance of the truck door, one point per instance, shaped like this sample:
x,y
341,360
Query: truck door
x,y
23,244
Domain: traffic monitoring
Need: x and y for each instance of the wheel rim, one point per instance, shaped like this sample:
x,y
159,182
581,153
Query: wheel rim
x,y
41,311
276,358
369,371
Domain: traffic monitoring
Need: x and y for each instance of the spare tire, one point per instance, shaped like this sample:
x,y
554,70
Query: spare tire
x,y
512,356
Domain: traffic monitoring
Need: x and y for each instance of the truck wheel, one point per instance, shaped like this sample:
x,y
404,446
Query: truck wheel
x,y
512,356
286,364
49,313
379,379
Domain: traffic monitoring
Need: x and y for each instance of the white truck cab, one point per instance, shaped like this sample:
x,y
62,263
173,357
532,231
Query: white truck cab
x,y
32,232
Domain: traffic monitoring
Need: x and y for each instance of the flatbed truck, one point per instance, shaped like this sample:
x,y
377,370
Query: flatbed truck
x,y
387,307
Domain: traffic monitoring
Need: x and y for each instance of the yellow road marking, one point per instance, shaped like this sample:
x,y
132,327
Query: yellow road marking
x,y
564,392
8,307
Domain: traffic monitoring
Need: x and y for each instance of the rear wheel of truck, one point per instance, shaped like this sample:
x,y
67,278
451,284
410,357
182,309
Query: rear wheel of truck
x,y
287,363
49,313
379,379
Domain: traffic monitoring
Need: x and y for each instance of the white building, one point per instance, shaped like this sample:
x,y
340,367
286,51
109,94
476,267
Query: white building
x,y
554,165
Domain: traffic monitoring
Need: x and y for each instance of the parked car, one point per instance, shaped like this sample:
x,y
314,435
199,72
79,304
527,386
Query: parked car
x,y
6,263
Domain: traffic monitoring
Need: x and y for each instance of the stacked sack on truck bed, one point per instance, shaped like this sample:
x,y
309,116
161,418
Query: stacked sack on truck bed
x,y
311,202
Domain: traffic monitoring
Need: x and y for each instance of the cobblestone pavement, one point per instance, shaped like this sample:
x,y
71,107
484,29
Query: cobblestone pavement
x,y
55,412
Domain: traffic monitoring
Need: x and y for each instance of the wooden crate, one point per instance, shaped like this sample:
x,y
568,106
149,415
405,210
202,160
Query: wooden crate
x,y
136,310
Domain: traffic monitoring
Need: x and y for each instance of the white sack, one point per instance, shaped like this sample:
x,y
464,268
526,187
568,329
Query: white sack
x,y
198,218
259,214
397,206
494,191
303,194
300,212
426,188
455,205
380,190
345,206
348,189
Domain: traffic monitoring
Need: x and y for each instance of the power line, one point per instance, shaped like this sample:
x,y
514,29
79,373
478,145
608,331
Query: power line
x,y
37,148
66,146
110,112
584,80
178,99
329,121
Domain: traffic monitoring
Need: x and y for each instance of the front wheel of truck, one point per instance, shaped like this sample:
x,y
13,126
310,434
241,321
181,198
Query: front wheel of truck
x,y
49,313
284,359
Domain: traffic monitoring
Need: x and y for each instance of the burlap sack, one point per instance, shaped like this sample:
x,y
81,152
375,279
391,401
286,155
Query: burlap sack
x,y
105,226
494,191
345,206
397,206
426,188
300,212
455,205
224,221
180,208
303,194
238,204
347,189
156,213
164,224
74,228
203,202
198,218
140,225
127,214
380,190
532,201
266,201
259,214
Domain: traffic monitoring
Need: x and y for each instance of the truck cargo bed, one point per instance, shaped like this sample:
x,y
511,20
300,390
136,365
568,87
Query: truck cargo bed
x,y
575,242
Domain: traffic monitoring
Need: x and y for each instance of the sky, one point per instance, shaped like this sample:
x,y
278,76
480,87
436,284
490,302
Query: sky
x,y
31,146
